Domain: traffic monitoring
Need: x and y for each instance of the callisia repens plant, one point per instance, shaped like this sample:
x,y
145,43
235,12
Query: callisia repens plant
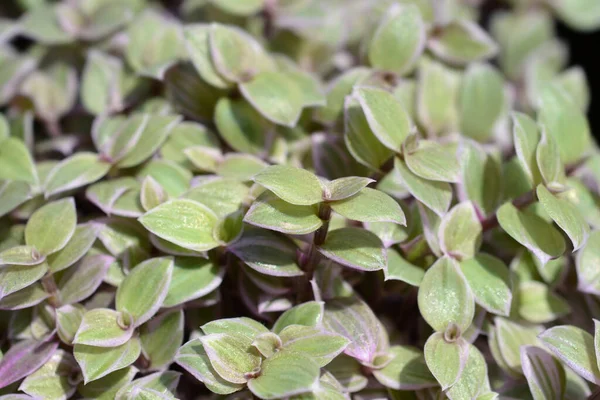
x,y
297,199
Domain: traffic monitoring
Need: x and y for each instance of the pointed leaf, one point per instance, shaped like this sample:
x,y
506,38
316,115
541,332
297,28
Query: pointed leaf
x,y
161,338
370,205
319,345
294,185
16,163
74,172
526,137
342,188
50,228
16,277
545,374
446,359
460,232
472,379
267,344
461,42
488,278
271,212
355,248
51,381
400,269
21,255
406,371
239,326
97,362
231,355
588,275
549,160
305,314
192,278
68,319
433,161
23,359
81,280
537,304
103,327
81,241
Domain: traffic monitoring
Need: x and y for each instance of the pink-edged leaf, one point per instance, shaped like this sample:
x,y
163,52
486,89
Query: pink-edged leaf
x,y
24,358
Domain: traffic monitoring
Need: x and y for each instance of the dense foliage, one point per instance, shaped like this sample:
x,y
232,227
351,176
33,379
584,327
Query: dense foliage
x,y
303,199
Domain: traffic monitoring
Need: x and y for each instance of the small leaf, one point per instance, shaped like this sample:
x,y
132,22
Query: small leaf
x,y
161,338
537,304
241,167
305,314
574,347
51,381
193,358
355,248
446,359
240,8
342,188
186,223
68,319
197,45
462,42
173,178
81,280
565,122
267,344
239,326
545,374
102,83
526,137
24,298
549,161
294,185
399,40
16,277
82,240
276,214
508,338
160,385
76,171
267,252
23,359
472,379
482,102
231,355
488,278
229,229
142,292
385,115
21,255
232,52
12,195
16,163
444,281
398,269
433,161
277,97
406,371
152,194
588,275
103,327
566,216
435,195
192,278
320,346
370,205
460,232
241,126
97,362
537,235
481,177
283,375
50,228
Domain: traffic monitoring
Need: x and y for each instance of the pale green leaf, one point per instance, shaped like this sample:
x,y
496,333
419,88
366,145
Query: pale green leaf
x,y
16,162
271,212
462,42
73,172
231,355
192,278
172,177
97,362
13,194
305,314
50,228
526,137
102,83
294,185
481,177
587,261
232,52
537,303
21,255
337,90
16,277
370,205
161,338
68,319
355,248
460,232
243,326
509,337
445,358
197,45
183,222
342,188
51,381
445,299
400,269
406,371
103,327
582,15
107,387
549,160
241,126
433,161
241,167
82,240
488,278
81,280
152,193
472,379
267,344
321,346
239,7
545,374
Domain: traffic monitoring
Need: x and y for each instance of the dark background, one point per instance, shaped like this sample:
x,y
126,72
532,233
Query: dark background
x,y
584,51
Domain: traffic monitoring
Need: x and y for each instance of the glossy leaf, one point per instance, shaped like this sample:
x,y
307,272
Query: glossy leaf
x,y
370,205
50,228
355,248
294,185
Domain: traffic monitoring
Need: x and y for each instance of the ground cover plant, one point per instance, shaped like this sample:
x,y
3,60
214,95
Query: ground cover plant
x,y
297,199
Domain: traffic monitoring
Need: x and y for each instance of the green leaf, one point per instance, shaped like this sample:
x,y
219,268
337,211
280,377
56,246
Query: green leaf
x,y
586,262
81,280
267,252
50,228
78,170
186,223
232,51
537,304
12,195
488,278
565,122
433,161
385,115
231,355
16,162
533,232
472,379
526,137
102,83
241,167
160,385
406,371
97,362
21,255
51,381
273,213
549,161
277,97
16,277
52,91
241,126
152,193
361,141
482,102
462,42
390,233
510,336
198,48
370,205
68,319
545,375
354,319
398,269
229,229
283,375
186,134
355,248
445,281
305,314
566,216
142,292
173,178
239,7
267,344
342,188
574,347
243,326
192,278
399,40
481,177
437,97
107,387
310,86
294,185
193,358
24,298
460,232
337,90
445,358
161,338
103,327
319,345
582,15
82,240
435,195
